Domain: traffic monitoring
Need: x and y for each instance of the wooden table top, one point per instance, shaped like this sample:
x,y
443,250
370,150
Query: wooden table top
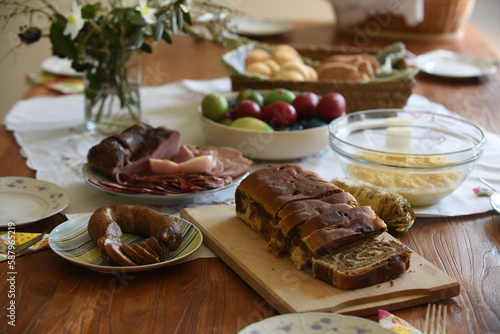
x,y
205,295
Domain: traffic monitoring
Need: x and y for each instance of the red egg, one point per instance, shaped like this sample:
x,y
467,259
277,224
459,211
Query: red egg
x,y
331,106
279,114
305,104
247,108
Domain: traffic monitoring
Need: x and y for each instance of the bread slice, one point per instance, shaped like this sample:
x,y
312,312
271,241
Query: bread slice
x,y
286,225
363,264
329,231
287,232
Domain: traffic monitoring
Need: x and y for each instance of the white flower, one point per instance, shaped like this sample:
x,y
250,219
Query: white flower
x,y
75,21
147,13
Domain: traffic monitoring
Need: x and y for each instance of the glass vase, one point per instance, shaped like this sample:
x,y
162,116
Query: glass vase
x,y
112,90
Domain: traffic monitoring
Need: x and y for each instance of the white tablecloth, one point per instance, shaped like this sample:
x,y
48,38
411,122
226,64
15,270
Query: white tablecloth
x,y
47,129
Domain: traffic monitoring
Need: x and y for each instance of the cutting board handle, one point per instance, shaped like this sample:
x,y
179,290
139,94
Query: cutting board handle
x,y
396,300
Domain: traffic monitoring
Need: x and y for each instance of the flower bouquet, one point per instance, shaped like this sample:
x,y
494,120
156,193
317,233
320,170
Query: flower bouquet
x,y
105,42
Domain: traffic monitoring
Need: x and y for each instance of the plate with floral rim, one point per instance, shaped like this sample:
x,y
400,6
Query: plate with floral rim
x,y
314,322
26,200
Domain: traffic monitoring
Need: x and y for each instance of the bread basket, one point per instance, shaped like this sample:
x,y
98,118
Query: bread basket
x,y
359,95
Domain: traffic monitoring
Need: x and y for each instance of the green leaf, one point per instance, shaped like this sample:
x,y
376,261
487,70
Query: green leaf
x,y
90,11
146,48
180,19
158,30
135,18
111,36
139,40
166,37
186,15
62,44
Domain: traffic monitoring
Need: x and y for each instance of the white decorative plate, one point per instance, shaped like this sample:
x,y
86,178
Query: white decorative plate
x,y
59,66
168,199
25,200
314,322
253,26
448,64
71,241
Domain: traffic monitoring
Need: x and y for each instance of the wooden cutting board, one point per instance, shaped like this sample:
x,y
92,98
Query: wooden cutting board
x,y
290,290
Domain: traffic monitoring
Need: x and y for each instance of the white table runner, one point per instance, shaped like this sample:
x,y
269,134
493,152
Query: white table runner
x,y
46,128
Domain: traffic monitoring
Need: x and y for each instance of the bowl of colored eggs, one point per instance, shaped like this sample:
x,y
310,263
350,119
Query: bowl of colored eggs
x,y
272,125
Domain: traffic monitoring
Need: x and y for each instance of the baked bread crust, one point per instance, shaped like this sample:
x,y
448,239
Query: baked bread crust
x,y
357,266
335,198
298,214
283,184
326,232
289,230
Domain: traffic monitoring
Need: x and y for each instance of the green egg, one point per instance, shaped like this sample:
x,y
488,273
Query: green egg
x,y
251,123
279,94
214,106
250,94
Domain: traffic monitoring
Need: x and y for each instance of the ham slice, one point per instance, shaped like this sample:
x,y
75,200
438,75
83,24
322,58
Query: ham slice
x,y
197,165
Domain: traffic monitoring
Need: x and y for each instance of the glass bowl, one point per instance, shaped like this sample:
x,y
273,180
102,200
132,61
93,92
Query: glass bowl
x,y
423,156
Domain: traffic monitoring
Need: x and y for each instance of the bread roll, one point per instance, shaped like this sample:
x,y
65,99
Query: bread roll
x,y
274,66
358,67
260,68
285,53
257,55
340,71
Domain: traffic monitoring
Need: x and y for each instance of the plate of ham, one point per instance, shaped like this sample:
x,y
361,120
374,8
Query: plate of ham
x,y
150,165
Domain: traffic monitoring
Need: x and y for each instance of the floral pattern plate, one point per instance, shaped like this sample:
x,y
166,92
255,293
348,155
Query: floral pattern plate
x,y
315,322
71,241
25,200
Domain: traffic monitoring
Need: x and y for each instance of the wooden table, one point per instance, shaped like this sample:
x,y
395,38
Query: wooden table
x,y
205,295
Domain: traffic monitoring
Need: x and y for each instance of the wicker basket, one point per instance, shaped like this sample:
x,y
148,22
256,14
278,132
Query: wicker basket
x,y
444,20
359,96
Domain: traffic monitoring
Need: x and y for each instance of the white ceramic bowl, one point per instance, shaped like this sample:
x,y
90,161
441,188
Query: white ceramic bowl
x,y
423,156
260,145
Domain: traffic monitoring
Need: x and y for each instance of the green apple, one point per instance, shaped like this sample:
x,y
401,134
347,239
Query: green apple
x,y
251,123
279,94
214,106
250,94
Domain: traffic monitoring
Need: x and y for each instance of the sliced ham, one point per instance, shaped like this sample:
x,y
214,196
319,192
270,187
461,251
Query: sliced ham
x,y
197,165
195,169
